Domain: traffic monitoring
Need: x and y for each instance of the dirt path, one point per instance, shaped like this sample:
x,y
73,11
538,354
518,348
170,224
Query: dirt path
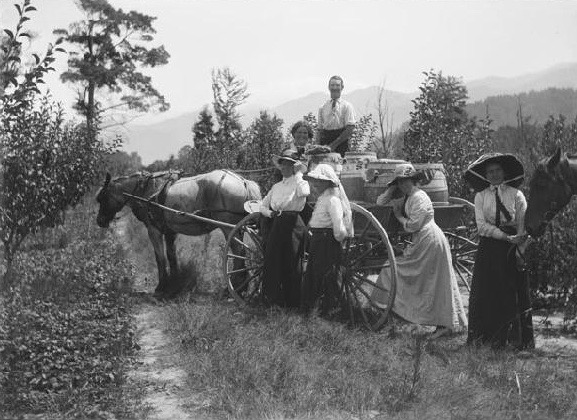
x,y
156,369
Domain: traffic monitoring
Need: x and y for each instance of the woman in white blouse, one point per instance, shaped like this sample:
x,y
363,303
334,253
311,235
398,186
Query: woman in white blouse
x,y
330,223
284,229
427,290
499,303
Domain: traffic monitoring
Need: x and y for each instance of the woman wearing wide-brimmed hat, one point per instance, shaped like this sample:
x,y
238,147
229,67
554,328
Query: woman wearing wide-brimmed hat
x,y
284,229
499,305
330,224
427,289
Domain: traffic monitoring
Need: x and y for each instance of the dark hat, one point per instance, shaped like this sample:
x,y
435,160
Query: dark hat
x,y
476,173
289,155
405,171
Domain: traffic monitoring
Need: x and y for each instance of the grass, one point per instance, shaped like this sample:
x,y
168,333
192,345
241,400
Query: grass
x,y
273,364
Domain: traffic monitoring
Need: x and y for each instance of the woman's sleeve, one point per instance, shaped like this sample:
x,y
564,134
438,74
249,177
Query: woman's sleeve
x,y
336,213
520,209
265,204
303,189
419,212
483,226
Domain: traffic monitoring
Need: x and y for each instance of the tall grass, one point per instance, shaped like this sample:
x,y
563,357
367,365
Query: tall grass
x,y
272,364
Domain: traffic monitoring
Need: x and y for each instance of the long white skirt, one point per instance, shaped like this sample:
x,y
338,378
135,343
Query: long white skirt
x,y
427,289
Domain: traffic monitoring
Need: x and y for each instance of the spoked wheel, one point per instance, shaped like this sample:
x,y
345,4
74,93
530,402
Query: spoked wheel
x,y
243,261
368,272
463,240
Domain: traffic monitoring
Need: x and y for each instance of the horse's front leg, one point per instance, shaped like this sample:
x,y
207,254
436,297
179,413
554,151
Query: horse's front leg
x,y
157,239
173,285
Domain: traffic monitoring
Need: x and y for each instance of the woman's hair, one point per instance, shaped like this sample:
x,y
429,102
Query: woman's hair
x,y
300,124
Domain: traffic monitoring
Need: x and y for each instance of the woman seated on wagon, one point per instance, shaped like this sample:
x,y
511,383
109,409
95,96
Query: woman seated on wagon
x,y
284,230
427,289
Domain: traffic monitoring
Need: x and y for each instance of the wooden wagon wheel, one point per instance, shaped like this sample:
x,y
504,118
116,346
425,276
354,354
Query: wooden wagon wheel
x,y
463,240
243,261
366,256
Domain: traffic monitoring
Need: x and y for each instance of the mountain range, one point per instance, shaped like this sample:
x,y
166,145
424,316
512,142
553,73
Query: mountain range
x,y
160,140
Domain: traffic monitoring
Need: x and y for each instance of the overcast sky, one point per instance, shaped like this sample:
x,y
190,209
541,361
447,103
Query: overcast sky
x,y
287,49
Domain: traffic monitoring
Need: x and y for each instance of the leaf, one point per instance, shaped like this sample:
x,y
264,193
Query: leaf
x,y
30,9
27,35
59,49
9,33
18,8
36,58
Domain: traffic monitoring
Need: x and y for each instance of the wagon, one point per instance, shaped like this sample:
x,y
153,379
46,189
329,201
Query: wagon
x,y
369,254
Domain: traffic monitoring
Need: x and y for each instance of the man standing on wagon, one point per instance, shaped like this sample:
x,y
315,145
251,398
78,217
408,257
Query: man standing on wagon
x,y
336,120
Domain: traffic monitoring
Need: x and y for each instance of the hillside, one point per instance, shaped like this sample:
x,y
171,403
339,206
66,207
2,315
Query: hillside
x,y
159,140
536,105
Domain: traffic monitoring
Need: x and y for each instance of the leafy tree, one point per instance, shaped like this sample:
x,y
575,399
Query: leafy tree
x,y
364,137
229,92
263,138
120,163
108,49
203,130
46,164
440,130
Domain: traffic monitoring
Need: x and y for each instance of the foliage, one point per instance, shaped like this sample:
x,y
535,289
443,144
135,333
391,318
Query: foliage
x,y
18,93
229,92
262,139
552,260
440,130
108,48
539,104
46,164
122,163
203,130
66,332
364,137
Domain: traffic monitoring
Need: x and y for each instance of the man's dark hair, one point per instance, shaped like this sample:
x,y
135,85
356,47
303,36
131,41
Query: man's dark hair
x,y
337,78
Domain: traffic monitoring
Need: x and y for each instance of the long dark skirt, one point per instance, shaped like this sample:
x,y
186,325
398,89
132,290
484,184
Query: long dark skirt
x,y
282,259
499,304
319,287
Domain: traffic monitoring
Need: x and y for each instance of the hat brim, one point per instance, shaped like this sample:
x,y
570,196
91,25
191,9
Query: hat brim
x,y
320,178
416,177
277,160
476,172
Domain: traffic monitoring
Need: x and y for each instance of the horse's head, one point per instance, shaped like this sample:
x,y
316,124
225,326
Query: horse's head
x,y
549,192
111,201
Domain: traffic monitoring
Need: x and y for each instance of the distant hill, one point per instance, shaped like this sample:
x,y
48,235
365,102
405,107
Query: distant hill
x,y
159,140
559,76
538,105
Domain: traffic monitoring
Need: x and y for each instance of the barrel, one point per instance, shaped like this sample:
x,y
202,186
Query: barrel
x,y
353,175
436,187
378,174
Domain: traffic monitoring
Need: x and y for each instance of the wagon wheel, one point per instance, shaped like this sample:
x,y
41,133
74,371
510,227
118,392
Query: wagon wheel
x,y
243,261
463,240
366,257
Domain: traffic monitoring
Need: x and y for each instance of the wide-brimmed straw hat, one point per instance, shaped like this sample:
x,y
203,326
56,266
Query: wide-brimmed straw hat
x,y
324,172
476,173
405,171
289,155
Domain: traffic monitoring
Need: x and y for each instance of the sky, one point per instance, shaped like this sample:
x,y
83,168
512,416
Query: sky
x,y
288,49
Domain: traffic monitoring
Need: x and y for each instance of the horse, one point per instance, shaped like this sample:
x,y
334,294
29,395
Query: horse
x,y
552,185
218,195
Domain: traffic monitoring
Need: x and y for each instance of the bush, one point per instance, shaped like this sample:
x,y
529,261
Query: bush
x,y
67,332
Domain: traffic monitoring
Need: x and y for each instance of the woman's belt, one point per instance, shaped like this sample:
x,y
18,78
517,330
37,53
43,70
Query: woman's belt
x,y
321,231
509,230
